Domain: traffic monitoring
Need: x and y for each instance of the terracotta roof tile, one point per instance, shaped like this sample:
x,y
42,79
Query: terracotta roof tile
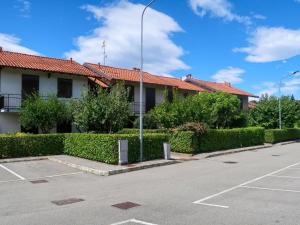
x,y
213,86
133,75
25,61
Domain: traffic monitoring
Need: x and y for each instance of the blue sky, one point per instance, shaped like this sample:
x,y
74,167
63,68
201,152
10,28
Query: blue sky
x,y
251,43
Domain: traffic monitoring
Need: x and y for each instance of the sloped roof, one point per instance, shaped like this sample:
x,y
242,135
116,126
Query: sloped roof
x,y
213,86
46,64
133,75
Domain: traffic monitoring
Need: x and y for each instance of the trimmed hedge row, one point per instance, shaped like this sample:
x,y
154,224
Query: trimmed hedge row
x,y
148,131
276,135
99,147
31,145
104,148
223,139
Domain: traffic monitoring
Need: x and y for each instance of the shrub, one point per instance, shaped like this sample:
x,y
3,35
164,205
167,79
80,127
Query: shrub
x,y
199,128
148,121
276,135
102,111
43,113
184,142
222,139
104,147
31,145
145,131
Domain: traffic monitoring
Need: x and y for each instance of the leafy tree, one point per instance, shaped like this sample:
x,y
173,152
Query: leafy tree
x,y
266,112
43,113
217,109
102,110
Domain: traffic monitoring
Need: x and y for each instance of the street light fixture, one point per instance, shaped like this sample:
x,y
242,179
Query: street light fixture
x,y
295,73
141,80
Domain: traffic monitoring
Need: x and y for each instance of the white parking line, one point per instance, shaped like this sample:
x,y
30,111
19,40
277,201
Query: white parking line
x,y
133,221
291,177
200,202
270,189
12,172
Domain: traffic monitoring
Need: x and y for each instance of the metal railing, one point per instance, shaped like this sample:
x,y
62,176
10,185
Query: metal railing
x,y
13,102
135,107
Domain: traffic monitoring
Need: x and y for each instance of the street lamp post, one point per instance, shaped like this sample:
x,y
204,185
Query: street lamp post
x,y
279,98
141,80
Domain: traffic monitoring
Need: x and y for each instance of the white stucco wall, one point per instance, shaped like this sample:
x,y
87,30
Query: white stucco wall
x,y
9,123
11,83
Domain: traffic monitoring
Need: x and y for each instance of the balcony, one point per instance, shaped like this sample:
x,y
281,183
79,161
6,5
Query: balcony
x,y
10,102
13,102
135,107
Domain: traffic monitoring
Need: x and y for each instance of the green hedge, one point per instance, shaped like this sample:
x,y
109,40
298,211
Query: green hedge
x,y
276,135
223,139
104,147
146,131
99,147
31,145
184,142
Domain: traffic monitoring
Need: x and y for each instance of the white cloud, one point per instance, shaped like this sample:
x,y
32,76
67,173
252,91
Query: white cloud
x,y
218,8
259,17
230,74
11,43
271,88
24,7
269,44
119,26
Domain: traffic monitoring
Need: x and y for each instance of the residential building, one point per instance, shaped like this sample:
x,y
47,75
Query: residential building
x,y
225,87
155,87
23,74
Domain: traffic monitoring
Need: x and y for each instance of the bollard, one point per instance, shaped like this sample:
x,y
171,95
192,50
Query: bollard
x,y
123,152
167,151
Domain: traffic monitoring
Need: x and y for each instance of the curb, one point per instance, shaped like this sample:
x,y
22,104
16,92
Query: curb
x,y
112,172
228,152
27,159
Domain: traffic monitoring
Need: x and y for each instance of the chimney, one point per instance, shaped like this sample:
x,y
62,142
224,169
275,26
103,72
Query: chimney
x,y
1,49
187,77
227,84
136,69
71,60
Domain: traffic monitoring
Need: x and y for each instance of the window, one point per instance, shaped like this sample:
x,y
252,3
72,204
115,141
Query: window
x,y
130,92
30,85
64,88
170,96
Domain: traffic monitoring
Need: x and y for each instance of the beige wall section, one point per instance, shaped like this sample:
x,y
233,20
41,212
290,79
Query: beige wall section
x,y
9,123
11,82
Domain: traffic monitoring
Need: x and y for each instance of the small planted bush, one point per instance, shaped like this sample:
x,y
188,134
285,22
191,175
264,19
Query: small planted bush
x,y
277,135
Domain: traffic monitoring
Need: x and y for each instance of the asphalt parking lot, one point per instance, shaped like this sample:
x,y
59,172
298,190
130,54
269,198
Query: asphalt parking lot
x,y
257,187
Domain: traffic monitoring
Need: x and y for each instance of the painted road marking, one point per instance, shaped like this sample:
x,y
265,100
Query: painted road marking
x,y
270,189
133,221
38,178
200,202
291,177
12,172
214,205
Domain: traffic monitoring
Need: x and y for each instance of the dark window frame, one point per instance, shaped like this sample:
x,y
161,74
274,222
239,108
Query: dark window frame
x,y
130,92
62,92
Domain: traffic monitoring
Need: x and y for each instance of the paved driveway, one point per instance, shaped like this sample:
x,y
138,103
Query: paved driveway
x,y
259,187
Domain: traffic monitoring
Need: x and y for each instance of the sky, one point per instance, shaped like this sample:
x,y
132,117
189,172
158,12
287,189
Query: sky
x,y
249,43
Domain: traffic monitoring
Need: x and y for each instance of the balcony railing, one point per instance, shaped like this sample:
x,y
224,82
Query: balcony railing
x,y
135,107
13,102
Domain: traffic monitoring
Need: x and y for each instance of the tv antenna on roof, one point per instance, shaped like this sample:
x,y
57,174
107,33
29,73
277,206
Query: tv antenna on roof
x,y
104,52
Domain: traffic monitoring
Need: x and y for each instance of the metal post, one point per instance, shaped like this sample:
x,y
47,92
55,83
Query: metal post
x,y
279,105
141,81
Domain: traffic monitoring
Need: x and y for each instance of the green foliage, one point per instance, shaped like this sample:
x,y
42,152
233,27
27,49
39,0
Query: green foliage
x,y
146,131
277,135
43,113
198,128
222,139
149,121
104,147
184,142
217,109
102,111
266,112
12,146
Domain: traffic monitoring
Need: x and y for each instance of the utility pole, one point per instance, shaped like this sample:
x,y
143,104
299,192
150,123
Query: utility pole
x,y
104,52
